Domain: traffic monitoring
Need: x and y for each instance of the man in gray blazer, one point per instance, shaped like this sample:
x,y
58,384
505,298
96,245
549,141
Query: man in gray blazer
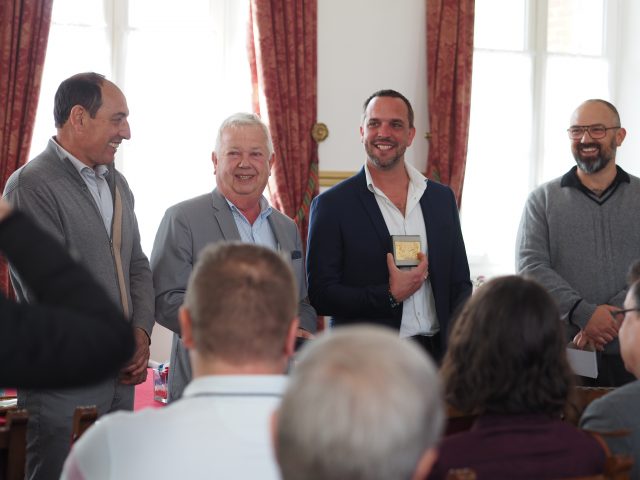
x,y
74,192
617,410
236,210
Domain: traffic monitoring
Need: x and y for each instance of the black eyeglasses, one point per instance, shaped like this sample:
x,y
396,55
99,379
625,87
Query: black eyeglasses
x,y
618,315
576,132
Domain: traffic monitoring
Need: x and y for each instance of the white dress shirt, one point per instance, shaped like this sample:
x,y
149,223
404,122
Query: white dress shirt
x,y
96,181
219,429
419,310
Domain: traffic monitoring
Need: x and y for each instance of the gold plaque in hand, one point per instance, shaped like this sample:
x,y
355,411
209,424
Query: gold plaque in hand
x,y
406,249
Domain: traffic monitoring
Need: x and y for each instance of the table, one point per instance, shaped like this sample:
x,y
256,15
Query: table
x,y
143,394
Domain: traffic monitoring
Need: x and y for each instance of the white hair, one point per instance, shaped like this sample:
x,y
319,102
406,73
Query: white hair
x,y
361,404
244,120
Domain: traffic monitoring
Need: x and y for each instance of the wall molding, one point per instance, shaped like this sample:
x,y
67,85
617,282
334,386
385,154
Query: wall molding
x,y
328,178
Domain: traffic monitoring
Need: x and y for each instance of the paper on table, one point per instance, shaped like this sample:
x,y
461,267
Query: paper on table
x,y
583,362
8,402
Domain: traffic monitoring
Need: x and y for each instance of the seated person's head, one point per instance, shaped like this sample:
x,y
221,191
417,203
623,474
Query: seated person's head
x,y
361,403
633,275
506,351
240,309
629,333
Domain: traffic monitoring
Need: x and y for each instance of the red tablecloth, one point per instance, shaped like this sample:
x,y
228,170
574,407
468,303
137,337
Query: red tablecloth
x,y
144,394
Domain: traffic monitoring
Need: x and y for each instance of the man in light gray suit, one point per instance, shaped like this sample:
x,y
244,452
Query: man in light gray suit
x,y
236,210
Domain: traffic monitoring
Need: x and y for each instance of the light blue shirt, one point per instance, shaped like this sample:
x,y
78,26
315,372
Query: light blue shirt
x,y
260,232
96,181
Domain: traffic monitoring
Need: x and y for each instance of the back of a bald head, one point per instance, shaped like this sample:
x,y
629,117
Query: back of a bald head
x,y
361,404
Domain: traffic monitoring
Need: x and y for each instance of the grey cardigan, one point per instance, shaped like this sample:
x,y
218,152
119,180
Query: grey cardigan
x,y
52,192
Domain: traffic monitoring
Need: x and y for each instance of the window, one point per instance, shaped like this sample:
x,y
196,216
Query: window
x,y
534,62
183,68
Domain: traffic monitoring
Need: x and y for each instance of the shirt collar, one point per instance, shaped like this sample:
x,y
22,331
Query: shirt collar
x,y
237,384
265,208
570,179
100,170
418,180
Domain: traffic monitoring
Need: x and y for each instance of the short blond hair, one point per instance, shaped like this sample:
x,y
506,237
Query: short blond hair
x,y
242,299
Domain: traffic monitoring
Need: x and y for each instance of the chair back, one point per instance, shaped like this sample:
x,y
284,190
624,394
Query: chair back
x,y
579,399
458,421
461,474
617,466
83,418
13,445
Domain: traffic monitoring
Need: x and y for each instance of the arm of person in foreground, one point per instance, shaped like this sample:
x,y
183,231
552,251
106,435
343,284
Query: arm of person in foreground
x,y
74,334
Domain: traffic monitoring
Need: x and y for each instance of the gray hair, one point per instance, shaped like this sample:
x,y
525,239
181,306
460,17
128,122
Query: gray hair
x,y
361,404
244,120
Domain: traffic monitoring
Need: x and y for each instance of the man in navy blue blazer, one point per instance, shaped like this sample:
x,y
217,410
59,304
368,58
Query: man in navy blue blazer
x,y
351,271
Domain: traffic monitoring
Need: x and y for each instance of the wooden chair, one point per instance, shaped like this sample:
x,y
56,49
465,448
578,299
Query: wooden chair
x,y
461,474
13,445
458,421
579,399
590,477
616,467
83,418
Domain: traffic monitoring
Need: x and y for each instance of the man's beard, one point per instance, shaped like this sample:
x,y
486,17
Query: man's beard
x,y
387,164
594,165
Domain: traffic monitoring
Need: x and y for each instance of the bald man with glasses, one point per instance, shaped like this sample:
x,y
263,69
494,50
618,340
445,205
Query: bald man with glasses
x,y
618,410
578,236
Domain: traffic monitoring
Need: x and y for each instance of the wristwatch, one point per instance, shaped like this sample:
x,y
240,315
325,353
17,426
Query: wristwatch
x,y
392,301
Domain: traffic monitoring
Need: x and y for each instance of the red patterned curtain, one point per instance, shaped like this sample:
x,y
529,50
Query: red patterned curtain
x,y
283,56
449,65
24,31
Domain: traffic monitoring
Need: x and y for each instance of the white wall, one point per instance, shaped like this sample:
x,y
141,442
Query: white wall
x,y
364,46
627,82
367,45
161,344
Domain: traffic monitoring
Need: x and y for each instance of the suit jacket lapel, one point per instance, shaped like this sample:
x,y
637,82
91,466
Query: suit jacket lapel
x,y
281,240
224,217
373,210
431,220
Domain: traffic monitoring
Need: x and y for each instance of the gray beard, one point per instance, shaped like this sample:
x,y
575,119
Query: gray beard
x,y
592,167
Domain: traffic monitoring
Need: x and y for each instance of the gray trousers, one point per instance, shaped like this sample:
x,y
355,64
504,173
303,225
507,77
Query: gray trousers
x,y
51,421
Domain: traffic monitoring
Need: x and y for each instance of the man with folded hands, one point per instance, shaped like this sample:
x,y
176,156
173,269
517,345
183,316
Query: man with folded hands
x,y
578,236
